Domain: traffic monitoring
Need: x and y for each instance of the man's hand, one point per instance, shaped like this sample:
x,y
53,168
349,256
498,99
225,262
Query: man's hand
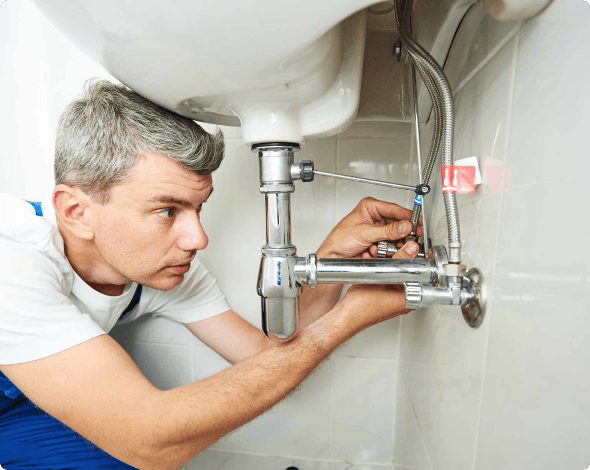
x,y
354,237
374,303
370,222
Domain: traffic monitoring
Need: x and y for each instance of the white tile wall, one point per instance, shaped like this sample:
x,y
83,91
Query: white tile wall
x,y
166,366
285,429
363,392
535,408
510,395
215,460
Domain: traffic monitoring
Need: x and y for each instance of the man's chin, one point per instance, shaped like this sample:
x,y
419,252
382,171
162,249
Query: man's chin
x,y
164,284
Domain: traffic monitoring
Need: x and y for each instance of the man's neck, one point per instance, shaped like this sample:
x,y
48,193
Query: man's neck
x,y
88,263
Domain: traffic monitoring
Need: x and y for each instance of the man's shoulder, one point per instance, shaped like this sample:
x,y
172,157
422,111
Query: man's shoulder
x,y
29,244
19,222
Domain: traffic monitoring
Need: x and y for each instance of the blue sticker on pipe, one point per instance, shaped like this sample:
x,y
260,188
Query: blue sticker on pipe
x,y
279,273
418,200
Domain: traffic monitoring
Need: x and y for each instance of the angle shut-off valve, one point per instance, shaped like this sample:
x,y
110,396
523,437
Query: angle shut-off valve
x,y
454,285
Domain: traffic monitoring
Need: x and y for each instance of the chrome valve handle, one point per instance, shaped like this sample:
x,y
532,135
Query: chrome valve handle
x,y
413,295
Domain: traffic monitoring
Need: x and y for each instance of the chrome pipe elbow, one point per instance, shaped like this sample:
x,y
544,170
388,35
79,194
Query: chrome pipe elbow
x,y
279,289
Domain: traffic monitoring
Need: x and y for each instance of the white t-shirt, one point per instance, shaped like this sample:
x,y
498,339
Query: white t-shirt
x,y
45,307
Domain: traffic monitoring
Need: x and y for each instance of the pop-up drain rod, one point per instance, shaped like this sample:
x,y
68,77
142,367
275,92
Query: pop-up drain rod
x,y
419,189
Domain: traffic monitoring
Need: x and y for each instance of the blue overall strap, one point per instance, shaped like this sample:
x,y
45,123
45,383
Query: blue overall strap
x,y
134,301
37,206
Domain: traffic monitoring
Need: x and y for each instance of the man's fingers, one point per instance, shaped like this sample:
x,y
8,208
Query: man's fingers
x,y
409,250
373,251
382,210
393,231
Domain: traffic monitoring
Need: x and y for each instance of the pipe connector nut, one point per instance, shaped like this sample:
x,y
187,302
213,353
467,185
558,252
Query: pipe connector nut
x,y
312,270
386,249
306,171
303,171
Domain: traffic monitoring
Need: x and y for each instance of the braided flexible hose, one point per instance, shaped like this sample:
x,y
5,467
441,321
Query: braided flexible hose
x,y
442,96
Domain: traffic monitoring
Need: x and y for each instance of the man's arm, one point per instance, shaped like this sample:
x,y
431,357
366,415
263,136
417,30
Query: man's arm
x,y
97,390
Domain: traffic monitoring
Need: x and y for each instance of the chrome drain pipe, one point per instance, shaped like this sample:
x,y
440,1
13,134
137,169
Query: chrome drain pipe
x,y
312,270
277,285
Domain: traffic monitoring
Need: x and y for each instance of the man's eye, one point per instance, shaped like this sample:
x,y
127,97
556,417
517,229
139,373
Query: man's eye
x,y
166,213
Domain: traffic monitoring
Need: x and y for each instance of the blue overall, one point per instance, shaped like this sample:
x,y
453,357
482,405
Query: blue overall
x,y
32,439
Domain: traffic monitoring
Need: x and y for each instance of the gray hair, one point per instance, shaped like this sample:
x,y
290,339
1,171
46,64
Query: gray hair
x,y
101,136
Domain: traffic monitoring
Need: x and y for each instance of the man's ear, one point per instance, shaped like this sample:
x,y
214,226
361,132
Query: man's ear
x,y
72,208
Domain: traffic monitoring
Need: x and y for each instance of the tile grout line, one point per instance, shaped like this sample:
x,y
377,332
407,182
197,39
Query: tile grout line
x,y
336,170
173,345
492,277
414,156
193,364
401,319
294,457
395,389
360,358
330,443
487,59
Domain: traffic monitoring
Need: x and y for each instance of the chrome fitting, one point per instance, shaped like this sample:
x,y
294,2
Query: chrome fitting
x,y
455,270
455,252
386,249
439,254
275,162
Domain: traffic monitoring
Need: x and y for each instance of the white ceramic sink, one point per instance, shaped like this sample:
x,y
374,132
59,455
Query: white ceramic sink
x,y
287,70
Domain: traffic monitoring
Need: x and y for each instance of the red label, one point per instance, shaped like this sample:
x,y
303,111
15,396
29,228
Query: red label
x,y
458,179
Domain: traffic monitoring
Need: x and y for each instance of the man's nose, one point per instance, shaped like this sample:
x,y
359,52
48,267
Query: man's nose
x,y
193,236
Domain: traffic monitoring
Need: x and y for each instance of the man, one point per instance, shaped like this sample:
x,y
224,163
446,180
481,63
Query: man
x,y
131,180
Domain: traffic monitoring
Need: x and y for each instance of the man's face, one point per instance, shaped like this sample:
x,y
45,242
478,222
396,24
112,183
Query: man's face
x,y
150,230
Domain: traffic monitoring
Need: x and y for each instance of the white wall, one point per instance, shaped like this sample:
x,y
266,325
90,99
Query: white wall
x,y
40,73
513,394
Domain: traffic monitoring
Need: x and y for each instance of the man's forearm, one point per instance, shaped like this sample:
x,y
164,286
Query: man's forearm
x,y
314,303
194,416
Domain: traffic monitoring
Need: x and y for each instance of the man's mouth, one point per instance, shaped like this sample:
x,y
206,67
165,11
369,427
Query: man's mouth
x,y
180,269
